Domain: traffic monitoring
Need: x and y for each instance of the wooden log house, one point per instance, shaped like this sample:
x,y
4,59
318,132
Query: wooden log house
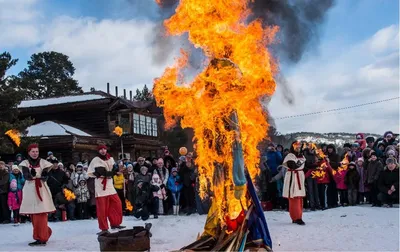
x,y
89,119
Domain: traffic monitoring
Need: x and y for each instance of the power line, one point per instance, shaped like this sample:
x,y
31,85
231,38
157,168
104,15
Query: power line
x,y
337,109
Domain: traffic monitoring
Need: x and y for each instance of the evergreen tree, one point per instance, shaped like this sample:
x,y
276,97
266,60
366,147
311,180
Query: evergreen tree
x,y
144,94
10,98
49,74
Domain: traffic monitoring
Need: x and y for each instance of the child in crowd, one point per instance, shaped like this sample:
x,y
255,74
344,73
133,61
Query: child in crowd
x,y
14,200
82,197
175,186
158,195
352,180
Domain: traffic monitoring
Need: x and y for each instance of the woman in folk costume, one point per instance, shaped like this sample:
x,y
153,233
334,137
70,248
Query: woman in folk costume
x,y
108,204
293,185
37,201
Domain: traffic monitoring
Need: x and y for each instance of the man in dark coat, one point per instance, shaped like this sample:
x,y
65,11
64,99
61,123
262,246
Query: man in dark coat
x,y
333,159
56,180
5,214
388,183
375,167
312,186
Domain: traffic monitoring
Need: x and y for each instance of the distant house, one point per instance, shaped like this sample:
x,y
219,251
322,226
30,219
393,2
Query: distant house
x,y
72,126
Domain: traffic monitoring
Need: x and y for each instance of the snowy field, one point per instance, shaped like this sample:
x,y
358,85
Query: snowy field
x,y
340,229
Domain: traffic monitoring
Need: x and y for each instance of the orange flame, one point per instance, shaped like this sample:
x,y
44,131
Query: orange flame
x,y
128,204
68,194
239,74
14,136
118,131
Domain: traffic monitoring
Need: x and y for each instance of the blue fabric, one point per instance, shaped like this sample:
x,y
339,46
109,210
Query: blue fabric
x,y
171,184
175,198
274,159
257,223
20,180
239,177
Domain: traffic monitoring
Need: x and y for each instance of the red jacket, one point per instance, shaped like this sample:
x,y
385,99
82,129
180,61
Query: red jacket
x,y
14,200
325,179
339,178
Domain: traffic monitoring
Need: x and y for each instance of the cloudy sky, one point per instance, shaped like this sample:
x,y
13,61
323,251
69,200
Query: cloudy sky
x,y
356,60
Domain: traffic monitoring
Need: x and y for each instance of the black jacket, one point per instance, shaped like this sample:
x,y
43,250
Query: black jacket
x,y
56,179
352,179
387,178
4,177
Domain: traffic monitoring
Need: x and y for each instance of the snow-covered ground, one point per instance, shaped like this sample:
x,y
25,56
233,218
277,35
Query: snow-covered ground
x,y
342,229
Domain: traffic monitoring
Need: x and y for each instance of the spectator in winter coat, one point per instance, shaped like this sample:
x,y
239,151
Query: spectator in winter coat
x,y
119,184
388,183
4,184
79,174
339,178
323,181
333,159
14,200
187,173
388,138
361,141
370,142
375,167
130,184
175,186
18,159
355,153
312,185
17,175
352,181
362,182
159,196
82,199
274,159
143,194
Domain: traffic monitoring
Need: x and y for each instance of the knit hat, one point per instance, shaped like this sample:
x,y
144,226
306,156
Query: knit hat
x,y
182,158
360,159
348,145
370,139
373,153
49,153
60,164
79,164
18,155
143,168
14,167
391,153
174,170
13,185
352,164
355,145
129,166
387,133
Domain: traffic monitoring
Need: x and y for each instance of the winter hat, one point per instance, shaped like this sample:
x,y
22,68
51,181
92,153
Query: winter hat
x,y
18,155
373,153
129,166
155,176
347,145
174,170
370,139
352,164
13,185
360,159
381,143
101,146
387,133
14,167
143,168
391,153
79,164
355,145
60,164
49,153
82,179
360,136
182,158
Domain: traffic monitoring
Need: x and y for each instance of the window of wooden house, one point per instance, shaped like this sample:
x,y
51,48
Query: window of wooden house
x,y
142,124
136,124
154,126
148,126
125,123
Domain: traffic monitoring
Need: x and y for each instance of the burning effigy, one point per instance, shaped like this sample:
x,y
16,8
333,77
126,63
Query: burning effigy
x,y
222,105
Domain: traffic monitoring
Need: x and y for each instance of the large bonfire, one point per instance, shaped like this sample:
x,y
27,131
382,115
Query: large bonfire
x,y
222,105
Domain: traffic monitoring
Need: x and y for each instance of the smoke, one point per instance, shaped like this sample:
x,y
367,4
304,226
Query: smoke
x,y
299,23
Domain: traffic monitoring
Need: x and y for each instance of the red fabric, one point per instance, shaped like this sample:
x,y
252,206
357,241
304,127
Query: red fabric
x,y
109,208
41,232
325,179
102,146
38,185
14,200
104,182
296,208
32,146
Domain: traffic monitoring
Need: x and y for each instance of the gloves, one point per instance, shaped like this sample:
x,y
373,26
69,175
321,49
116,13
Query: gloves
x,y
109,174
99,171
33,172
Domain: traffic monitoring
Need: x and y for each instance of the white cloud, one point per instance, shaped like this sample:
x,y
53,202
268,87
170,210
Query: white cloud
x,y
349,78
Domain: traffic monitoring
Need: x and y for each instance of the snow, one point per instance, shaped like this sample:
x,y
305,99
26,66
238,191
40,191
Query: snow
x,y
49,128
59,100
360,228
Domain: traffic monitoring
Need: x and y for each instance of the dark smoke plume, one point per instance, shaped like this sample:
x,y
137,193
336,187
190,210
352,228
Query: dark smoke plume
x,y
298,20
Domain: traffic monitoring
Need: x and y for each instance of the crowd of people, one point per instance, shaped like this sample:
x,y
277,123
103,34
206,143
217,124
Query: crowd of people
x,y
366,172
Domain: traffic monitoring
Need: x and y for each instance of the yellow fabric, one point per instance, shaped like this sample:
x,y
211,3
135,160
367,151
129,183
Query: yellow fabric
x,y
239,191
119,181
212,221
